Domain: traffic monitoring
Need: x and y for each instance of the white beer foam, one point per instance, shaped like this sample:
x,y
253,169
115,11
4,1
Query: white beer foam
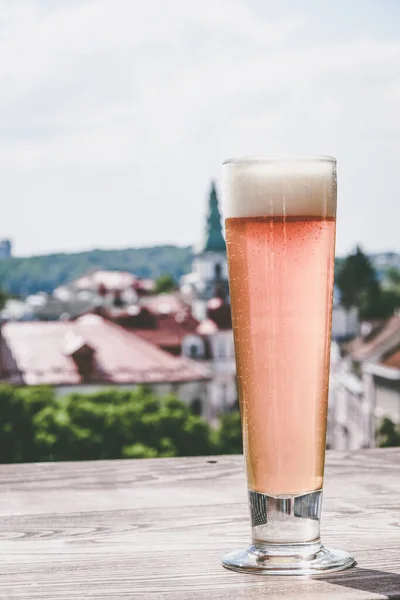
x,y
279,187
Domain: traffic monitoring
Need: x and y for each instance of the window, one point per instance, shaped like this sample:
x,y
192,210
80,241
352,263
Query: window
x,y
218,271
193,351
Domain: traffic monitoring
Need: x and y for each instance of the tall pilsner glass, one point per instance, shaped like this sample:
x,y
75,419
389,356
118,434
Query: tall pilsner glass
x,y
280,233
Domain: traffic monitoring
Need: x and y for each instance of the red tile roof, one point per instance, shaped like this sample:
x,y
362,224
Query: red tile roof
x,y
364,348
163,339
166,331
169,331
131,317
36,353
180,323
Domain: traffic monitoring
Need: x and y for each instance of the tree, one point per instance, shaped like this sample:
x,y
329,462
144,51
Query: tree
x,y
24,276
12,412
37,426
388,434
165,284
358,284
389,302
356,278
4,296
229,435
139,451
393,275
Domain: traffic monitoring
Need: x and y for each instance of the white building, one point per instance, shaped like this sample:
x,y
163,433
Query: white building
x,y
206,290
348,425
345,321
375,357
212,345
107,289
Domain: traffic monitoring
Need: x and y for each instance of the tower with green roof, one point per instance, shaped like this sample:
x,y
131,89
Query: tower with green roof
x,y
210,264
213,240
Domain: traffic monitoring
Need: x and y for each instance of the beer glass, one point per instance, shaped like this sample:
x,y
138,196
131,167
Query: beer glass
x,y
280,218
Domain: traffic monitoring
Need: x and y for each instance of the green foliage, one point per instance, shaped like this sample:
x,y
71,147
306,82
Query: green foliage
x,y
37,426
18,410
358,284
388,434
393,276
229,435
23,276
389,302
4,296
164,284
139,451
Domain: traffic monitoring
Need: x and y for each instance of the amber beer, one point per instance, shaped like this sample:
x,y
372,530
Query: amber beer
x,y
280,234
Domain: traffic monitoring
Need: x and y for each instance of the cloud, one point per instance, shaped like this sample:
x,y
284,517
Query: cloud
x,y
150,96
80,76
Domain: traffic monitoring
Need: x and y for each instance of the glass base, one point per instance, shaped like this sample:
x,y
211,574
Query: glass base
x,y
288,560
286,540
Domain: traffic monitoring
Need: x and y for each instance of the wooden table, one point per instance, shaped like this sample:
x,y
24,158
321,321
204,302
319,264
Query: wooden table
x,y
157,529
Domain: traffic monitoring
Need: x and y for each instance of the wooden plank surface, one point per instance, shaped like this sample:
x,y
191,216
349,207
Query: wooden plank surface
x,y
157,528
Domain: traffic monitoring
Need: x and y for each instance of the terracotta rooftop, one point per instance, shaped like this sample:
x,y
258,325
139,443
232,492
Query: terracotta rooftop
x,y
365,348
170,330
164,339
164,330
131,317
36,353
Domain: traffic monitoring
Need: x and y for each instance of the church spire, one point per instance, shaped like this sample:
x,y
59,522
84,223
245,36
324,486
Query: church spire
x,y
214,241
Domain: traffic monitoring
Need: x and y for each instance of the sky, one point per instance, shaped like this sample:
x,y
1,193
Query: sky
x,y
116,114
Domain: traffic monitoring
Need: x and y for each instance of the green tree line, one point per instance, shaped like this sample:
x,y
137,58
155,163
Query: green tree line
x,y
358,283
37,426
355,275
388,434
24,276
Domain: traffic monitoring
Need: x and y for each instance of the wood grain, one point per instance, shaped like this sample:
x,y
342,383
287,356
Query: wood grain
x,y
157,529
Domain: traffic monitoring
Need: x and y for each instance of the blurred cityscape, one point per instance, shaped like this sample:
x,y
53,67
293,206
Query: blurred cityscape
x,y
115,323
112,329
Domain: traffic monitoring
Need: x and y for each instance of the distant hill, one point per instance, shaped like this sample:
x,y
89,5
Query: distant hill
x,y
23,276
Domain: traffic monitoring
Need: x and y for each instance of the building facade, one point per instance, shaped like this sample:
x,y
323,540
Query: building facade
x,y
373,362
206,290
